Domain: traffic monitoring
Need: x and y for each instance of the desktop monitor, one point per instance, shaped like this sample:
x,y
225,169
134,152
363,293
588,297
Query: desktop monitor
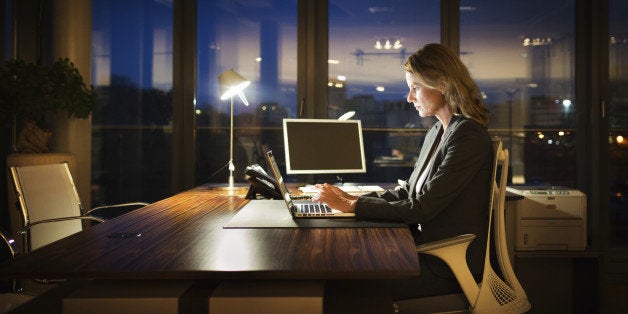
x,y
316,146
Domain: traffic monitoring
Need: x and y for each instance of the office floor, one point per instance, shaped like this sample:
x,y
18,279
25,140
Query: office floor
x,y
616,298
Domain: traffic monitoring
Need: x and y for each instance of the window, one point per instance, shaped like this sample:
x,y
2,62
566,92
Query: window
x,y
259,41
6,28
131,124
618,122
368,43
521,54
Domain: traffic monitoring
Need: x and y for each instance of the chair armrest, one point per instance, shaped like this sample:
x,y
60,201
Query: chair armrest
x,y
453,252
139,204
463,238
23,230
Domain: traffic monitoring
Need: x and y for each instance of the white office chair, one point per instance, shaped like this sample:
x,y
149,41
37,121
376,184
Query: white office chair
x,y
50,205
493,294
11,295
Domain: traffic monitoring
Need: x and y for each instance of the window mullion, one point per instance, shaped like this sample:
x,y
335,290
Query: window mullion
x,y
312,59
450,24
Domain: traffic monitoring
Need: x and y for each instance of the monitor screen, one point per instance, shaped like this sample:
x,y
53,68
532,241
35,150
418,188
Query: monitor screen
x,y
323,146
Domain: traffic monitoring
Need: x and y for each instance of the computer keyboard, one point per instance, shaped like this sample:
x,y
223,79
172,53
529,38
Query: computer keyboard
x,y
314,208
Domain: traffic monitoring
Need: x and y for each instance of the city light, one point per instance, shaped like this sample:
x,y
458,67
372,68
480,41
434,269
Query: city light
x,y
536,42
467,8
387,45
566,103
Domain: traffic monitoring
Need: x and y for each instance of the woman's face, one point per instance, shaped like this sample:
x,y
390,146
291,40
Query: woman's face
x,y
427,101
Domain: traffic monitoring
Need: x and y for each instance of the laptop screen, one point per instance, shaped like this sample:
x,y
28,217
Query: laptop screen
x,y
274,168
323,146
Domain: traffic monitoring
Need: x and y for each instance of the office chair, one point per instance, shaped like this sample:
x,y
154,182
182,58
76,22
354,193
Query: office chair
x,y
493,294
10,290
50,205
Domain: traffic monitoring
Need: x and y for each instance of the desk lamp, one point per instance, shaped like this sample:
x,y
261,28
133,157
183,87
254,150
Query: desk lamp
x,y
347,115
231,84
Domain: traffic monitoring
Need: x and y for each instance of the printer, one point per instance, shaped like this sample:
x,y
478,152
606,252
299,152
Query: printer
x,y
549,218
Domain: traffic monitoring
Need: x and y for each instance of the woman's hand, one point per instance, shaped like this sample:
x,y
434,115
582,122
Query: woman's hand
x,y
335,198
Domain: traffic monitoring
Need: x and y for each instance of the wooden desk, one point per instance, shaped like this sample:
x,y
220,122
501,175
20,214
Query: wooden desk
x,y
182,237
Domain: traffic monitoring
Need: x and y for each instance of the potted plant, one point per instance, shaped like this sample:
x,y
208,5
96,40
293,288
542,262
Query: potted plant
x,y
28,92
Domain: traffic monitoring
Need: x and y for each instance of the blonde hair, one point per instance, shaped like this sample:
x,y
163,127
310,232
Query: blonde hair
x,y
436,66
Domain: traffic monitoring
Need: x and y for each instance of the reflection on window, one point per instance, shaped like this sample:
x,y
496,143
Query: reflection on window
x,y
259,41
132,74
368,44
6,28
618,122
521,54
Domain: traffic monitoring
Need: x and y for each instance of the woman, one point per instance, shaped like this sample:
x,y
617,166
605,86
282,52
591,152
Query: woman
x,y
447,194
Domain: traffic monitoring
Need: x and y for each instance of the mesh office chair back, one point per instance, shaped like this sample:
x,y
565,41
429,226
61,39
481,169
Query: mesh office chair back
x,y
497,295
493,294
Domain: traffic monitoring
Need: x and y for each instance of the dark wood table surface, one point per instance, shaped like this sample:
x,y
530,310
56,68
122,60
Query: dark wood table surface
x,y
182,237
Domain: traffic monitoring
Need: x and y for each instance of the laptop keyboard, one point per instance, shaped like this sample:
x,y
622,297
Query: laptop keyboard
x,y
315,209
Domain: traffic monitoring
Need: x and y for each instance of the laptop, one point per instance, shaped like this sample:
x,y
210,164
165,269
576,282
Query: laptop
x,y
303,208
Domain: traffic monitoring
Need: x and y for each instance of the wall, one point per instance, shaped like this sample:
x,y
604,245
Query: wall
x,y
72,38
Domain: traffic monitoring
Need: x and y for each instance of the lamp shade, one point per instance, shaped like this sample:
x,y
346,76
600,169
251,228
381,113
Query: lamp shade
x,y
347,115
231,83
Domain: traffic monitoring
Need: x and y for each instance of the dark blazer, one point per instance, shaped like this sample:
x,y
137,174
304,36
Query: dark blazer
x,y
455,196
